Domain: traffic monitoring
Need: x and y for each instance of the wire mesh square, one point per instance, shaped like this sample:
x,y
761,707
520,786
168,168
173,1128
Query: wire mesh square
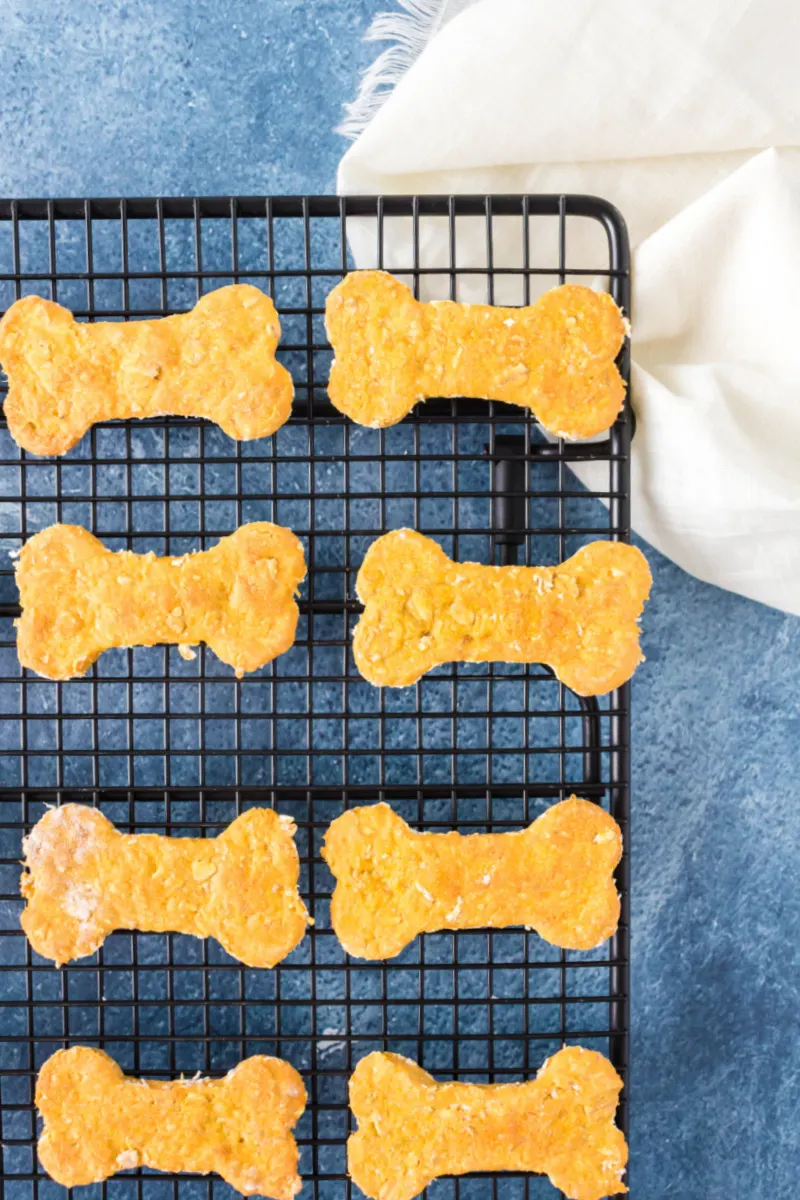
x,y
168,746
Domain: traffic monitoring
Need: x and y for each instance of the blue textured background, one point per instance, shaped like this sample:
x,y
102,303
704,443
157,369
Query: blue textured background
x,y
239,96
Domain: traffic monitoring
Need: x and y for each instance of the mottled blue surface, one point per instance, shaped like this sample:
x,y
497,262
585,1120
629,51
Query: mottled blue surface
x,y
189,96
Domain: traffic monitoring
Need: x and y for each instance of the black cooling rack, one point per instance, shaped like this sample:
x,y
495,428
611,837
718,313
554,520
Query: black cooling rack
x,y
181,748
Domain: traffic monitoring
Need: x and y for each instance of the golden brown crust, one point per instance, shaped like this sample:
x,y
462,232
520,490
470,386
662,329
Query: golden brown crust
x,y
97,1121
423,609
217,361
79,599
83,879
412,1130
555,357
393,883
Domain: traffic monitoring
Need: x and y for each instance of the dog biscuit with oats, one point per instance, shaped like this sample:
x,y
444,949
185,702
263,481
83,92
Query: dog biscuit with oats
x,y
83,879
555,357
412,1130
393,883
98,1121
217,361
423,609
79,599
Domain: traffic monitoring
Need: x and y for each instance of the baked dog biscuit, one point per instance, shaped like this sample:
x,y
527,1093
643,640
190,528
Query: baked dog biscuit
x,y
98,1121
555,357
79,599
83,879
412,1130
423,609
392,883
217,361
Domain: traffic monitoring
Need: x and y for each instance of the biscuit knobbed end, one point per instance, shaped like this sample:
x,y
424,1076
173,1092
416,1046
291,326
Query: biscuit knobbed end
x,y
98,1121
393,883
216,361
79,598
554,357
422,609
83,879
413,1130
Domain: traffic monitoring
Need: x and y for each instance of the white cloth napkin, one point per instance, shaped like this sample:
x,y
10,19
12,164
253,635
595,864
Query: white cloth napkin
x,y
686,114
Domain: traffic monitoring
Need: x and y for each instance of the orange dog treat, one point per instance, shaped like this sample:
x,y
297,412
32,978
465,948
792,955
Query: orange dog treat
x,y
423,609
555,357
83,879
393,883
217,361
413,1130
98,1121
79,599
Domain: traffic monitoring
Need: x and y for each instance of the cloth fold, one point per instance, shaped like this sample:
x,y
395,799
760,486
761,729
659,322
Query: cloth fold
x,y
685,115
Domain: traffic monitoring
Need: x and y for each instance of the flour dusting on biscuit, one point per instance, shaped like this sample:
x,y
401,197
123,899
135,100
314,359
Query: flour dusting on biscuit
x,y
83,879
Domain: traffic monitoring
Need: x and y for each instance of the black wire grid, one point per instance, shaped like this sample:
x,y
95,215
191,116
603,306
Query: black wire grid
x,y
181,748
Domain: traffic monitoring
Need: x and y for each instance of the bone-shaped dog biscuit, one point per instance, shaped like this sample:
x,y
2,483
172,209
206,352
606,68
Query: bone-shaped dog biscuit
x,y
217,361
412,1130
98,1121
79,599
84,879
555,357
423,609
393,883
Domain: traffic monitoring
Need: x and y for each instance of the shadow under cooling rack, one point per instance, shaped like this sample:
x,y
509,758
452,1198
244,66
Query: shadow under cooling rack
x,y
181,747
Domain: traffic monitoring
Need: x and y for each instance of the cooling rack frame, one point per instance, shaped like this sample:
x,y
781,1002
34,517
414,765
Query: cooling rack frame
x,y
470,747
